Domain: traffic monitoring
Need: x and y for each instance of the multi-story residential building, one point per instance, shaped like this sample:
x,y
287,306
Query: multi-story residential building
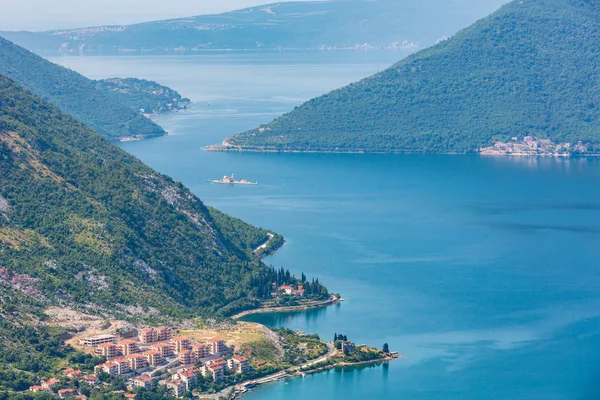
x,y
239,364
147,335
216,346
137,361
215,368
123,364
98,340
181,343
177,386
144,381
108,350
200,350
153,357
185,357
189,378
164,333
109,367
128,346
165,349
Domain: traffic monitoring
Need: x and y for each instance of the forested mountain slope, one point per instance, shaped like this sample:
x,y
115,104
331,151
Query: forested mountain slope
x,y
86,225
73,94
141,94
531,68
397,24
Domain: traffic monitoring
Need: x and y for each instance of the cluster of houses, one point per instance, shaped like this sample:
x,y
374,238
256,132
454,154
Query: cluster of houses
x,y
289,291
48,386
154,349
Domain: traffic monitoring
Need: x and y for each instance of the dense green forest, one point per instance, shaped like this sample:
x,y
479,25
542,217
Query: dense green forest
x,y
141,94
531,68
74,94
83,222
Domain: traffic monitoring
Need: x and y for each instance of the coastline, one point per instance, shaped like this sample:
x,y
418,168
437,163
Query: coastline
x,y
238,390
236,149
331,301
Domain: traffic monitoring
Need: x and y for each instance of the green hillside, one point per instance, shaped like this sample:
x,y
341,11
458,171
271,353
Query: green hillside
x,y
531,68
141,94
89,226
73,94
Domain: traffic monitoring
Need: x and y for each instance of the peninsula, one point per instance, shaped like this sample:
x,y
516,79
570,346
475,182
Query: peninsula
x,y
521,72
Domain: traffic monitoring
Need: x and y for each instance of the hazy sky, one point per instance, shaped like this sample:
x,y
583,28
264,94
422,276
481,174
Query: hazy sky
x,y
53,14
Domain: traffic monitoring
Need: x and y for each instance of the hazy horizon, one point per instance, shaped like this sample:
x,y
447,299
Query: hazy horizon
x,y
35,15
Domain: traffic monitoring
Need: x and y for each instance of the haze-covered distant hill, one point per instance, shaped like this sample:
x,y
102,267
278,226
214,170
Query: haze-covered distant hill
x,y
74,94
404,24
532,68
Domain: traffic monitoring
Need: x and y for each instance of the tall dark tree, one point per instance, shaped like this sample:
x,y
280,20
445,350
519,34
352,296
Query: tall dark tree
x,y
386,348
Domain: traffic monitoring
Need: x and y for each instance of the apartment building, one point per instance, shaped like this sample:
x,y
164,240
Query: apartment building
x,y
181,343
137,361
98,340
127,347
216,346
108,350
144,381
177,386
153,357
165,349
200,350
239,364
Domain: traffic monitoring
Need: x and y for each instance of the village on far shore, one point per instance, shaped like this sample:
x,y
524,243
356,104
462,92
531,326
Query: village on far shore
x,y
533,146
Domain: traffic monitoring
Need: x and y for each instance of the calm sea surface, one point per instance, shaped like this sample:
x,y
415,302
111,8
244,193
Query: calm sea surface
x,y
483,272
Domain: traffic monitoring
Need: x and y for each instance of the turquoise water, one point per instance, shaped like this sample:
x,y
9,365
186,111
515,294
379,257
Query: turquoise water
x,y
483,272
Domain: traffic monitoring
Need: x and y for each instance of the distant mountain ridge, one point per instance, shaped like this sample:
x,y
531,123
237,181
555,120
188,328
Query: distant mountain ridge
x,y
74,94
530,69
397,24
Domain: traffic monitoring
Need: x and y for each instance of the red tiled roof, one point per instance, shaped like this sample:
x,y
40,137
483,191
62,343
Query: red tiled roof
x,y
215,340
187,374
147,330
179,338
240,358
161,345
127,341
106,345
143,378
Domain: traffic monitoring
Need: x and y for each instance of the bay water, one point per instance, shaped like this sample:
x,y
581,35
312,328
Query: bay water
x,y
483,272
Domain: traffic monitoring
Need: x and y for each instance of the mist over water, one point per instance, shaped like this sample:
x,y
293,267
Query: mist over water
x,y
482,271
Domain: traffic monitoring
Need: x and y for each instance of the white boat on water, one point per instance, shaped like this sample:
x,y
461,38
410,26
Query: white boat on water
x,y
230,180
